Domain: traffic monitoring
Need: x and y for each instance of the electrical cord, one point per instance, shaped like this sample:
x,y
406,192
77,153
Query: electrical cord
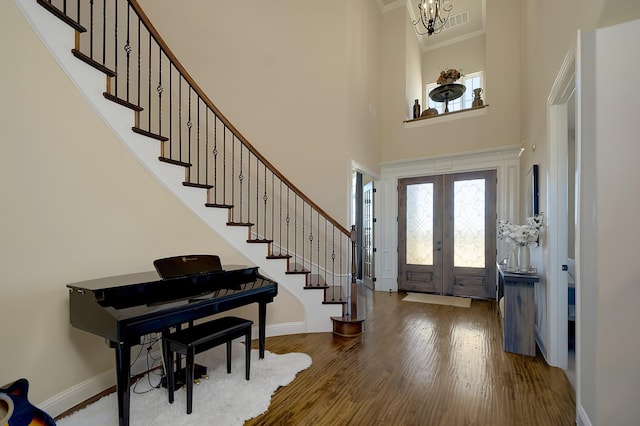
x,y
152,365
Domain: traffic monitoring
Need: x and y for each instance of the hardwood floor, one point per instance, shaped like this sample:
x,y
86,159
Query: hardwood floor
x,y
419,364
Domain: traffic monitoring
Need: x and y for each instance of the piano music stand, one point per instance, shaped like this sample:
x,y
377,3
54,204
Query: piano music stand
x,y
182,266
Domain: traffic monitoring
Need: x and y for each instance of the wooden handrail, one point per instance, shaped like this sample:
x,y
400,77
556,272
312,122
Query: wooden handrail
x,y
167,51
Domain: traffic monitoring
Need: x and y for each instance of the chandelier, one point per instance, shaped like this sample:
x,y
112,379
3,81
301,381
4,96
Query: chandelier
x,y
430,20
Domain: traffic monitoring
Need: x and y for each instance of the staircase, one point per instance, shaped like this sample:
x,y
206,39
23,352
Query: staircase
x,y
130,77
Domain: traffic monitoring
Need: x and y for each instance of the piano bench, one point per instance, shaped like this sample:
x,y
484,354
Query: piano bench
x,y
202,337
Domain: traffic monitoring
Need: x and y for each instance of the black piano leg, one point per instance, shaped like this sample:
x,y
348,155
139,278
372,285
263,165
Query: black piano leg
x,y
123,358
262,320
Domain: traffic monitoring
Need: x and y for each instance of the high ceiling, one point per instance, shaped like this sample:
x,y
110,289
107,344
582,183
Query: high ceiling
x,y
466,20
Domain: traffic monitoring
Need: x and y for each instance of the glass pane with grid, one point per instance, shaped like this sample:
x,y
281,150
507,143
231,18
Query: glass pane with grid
x,y
471,82
469,223
420,224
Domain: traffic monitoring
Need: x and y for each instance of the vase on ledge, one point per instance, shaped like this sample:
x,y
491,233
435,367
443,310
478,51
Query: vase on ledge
x,y
477,100
524,258
416,109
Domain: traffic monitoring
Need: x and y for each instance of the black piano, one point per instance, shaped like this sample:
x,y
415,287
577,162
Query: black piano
x,y
124,308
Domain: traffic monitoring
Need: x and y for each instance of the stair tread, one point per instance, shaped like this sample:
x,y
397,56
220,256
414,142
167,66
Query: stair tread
x,y
175,162
298,271
122,102
92,62
149,134
279,256
197,185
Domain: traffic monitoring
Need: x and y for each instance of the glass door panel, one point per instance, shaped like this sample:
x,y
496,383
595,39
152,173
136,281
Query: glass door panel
x,y
420,235
469,223
420,224
470,234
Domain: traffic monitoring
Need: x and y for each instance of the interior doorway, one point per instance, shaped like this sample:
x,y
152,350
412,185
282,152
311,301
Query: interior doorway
x,y
561,254
447,234
571,242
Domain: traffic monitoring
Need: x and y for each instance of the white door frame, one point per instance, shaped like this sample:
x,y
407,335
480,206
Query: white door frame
x,y
557,214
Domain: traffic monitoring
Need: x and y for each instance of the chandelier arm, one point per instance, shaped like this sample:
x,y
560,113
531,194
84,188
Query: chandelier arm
x,y
431,24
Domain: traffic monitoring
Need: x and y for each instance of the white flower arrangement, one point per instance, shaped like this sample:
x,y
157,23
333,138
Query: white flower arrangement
x,y
522,235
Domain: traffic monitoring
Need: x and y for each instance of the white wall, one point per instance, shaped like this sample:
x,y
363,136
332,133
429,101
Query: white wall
x,y
498,126
413,68
467,56
609,337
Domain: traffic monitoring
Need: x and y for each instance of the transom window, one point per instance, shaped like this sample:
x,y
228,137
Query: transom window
x,y
471,81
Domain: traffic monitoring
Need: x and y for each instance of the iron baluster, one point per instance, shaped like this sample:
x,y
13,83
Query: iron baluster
x,y
104,32
159,89
127,49
139,63
91,29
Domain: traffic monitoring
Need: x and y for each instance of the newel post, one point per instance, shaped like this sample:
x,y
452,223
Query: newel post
x,y
351,308
350,324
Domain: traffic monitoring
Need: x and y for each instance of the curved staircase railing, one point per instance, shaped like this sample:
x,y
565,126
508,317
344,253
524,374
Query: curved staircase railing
x,y
142,74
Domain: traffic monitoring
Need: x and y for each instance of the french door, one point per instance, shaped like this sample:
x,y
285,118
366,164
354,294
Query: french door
x,y
367,235
447,234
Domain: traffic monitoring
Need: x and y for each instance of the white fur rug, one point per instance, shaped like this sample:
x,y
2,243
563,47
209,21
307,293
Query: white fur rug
x,y
223,399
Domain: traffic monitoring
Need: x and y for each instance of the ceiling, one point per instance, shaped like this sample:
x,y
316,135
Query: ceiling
x,y
467,20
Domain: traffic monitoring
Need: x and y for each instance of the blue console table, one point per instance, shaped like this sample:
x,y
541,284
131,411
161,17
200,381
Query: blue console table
x,y
518,316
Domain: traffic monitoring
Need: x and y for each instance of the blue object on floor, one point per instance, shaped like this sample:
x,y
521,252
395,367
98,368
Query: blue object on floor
x,y
16,410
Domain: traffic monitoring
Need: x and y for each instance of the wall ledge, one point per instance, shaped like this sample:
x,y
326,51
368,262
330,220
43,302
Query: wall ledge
x,y
442,118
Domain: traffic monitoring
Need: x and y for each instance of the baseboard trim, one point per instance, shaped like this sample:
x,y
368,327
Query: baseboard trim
x,y
582,419
79,393
76,394
542,344
283,329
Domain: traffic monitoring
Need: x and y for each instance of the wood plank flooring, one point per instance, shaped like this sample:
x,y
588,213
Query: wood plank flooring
x,y
419,364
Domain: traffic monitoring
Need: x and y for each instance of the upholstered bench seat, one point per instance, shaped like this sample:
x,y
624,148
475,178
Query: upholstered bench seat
x,y
199,338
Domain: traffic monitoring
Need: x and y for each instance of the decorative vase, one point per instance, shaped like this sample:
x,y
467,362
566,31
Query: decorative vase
x,y
416,109
513,260
429,112
477,101
524,259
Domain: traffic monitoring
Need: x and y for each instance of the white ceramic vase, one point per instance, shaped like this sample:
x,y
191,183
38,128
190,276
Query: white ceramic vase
x,y
513,260
524,258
